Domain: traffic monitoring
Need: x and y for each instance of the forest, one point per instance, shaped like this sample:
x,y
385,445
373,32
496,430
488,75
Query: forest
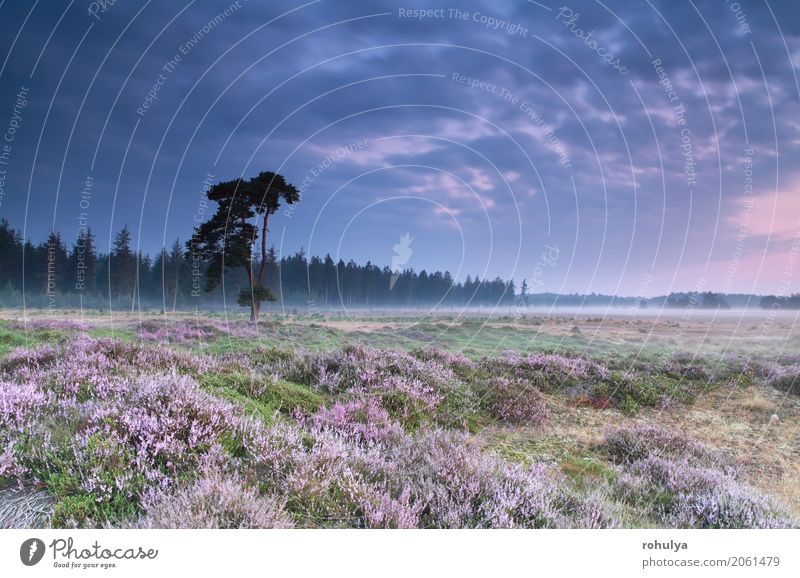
x,y
54,274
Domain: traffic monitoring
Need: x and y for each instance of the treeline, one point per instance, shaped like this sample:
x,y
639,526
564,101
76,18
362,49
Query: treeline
x,y
785,302
696,300
55,274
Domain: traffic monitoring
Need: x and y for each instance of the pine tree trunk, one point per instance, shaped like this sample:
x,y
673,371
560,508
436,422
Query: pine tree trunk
x,y
263,267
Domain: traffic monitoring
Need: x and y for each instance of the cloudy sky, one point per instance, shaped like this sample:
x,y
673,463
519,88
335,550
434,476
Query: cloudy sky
x,y
616,147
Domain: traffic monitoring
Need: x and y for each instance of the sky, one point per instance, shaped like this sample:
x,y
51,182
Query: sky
x,y
633,148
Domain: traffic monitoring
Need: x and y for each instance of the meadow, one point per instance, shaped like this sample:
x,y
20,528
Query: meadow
x,y
399,420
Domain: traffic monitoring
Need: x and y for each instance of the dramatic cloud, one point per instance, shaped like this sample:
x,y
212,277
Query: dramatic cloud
x,y
643,139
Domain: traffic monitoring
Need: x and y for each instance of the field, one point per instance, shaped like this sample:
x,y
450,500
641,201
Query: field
x,y
387,419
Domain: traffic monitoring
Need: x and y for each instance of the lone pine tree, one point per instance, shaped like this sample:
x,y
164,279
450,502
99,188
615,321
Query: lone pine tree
x,y
227,239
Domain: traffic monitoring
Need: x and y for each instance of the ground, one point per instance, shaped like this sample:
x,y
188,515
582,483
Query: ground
x,y
717,378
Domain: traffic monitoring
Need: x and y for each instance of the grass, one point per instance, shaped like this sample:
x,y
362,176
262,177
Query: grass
x,y
587,469
758,405
74,505
718,405
13,338
120,333
262,398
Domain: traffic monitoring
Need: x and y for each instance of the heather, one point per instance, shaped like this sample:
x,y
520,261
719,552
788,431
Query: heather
x,y
681,483
121,431
336,476
164,429
785,377
413,390
213,500
514,401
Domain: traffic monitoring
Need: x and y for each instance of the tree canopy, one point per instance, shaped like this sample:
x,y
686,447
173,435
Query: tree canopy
x,y
227,239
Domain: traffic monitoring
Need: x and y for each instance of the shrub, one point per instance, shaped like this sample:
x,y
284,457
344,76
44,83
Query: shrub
x,y
687,366
680,495
514,401
361,420
329,480
465,488
459,363
682,483
546,371
177,332
785,378
632,390
413,391
429,479
96,440
214,500
628,444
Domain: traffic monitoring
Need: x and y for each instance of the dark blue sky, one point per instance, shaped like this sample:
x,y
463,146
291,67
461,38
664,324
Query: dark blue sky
x,y
586,146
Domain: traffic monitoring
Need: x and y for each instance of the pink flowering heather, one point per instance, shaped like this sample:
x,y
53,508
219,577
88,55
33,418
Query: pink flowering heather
x,y
514,401
214,500
785,378
411,389
429,479
362,420
686,366
546,370
82,355
18,404
680,495
461,365
119,432
685,484
466,488
9,466
176,332
85,420
29,358
331,481
628,444
165,422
